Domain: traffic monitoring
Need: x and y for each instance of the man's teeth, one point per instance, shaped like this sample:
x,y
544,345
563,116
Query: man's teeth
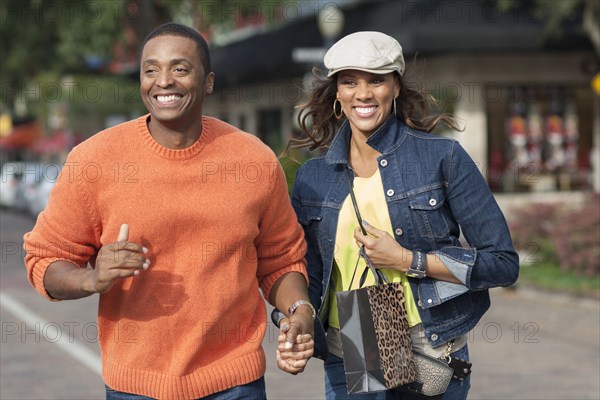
x,y
364,110
166,99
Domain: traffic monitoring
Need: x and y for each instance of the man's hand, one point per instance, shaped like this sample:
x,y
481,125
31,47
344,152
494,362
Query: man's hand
x,y
296,345
117,260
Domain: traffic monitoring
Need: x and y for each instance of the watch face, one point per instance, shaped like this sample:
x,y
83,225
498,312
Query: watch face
x,y
414,273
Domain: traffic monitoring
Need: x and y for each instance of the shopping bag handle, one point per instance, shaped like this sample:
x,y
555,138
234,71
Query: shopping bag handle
x,y
380,277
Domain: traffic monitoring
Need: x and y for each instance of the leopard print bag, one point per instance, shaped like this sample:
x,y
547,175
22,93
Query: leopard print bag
x,y
375,339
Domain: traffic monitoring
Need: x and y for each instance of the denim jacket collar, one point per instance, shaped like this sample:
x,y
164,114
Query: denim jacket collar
x,y
385,140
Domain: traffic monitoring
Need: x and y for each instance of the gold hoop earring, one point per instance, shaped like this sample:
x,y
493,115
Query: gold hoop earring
x,y
395,110
341,113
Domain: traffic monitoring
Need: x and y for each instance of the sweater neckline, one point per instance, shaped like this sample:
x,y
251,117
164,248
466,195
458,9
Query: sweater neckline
x,y
174,154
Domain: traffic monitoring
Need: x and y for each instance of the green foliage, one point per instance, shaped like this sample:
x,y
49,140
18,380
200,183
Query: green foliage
x,y
56,36
84,99
290,163
222,14
90,34
552,11
26,40
555,13
549,276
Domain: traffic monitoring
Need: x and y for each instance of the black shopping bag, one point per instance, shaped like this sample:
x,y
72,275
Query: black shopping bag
x,y
374,329
375,338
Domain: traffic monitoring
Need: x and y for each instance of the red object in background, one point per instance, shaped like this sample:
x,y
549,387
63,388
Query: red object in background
x,y
58,141
22,136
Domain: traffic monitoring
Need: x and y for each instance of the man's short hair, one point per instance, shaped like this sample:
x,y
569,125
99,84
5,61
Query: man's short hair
x,y
174,29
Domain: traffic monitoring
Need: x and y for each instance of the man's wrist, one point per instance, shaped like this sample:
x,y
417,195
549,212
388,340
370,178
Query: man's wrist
x,y
89,282
303,305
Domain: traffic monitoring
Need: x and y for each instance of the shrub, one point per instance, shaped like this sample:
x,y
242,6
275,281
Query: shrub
x,y
561,234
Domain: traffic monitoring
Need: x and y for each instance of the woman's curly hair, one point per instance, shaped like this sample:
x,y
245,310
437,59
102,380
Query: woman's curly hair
x,y
415,107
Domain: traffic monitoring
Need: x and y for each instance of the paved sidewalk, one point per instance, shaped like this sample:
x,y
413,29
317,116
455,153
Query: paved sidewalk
x,y
530,345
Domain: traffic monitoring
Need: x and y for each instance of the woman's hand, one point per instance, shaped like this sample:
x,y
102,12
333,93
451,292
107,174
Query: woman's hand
x,y
383,249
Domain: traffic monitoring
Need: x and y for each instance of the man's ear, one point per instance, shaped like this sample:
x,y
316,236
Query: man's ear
x,y
210,82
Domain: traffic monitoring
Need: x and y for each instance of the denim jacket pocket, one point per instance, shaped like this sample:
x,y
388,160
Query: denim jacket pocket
x,y
428,213
309,214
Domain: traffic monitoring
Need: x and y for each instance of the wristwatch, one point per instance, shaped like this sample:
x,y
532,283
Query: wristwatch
x,y
302,303
418,267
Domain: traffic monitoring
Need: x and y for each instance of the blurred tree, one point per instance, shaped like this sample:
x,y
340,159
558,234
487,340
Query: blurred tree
x,y
556,12
69,35
59,36
72,37
66,37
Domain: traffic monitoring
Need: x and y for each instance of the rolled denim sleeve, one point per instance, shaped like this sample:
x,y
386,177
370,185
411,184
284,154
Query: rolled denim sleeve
x,y
459,268
490,260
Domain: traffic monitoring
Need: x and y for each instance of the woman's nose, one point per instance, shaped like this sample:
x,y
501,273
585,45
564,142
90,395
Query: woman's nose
x,y
363,91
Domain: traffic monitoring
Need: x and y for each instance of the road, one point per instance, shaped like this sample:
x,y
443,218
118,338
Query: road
x,y
530,345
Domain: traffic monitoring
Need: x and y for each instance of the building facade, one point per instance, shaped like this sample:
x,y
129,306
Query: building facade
x,y
531,118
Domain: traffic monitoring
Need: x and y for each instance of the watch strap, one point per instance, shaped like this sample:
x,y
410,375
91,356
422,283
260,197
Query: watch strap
x,y
418,266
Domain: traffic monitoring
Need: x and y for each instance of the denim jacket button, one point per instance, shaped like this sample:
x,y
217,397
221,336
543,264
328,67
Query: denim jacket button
x,y
390,192
432,202
429,301
399,232
434,337
383,163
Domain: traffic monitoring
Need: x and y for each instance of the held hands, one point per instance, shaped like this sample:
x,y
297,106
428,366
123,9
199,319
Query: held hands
x,y
383,249
117,260
296,345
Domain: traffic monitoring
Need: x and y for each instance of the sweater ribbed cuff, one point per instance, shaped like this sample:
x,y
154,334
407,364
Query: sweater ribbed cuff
x,y
268,281
37,273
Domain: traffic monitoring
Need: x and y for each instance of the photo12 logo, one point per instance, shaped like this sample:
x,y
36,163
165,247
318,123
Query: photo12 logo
x,y
53,332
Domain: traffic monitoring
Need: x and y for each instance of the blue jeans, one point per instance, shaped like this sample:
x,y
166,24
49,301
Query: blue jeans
x,y
251,391
335,384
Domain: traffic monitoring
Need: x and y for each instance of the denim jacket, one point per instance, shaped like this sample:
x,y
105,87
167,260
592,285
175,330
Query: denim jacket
x,y
434,191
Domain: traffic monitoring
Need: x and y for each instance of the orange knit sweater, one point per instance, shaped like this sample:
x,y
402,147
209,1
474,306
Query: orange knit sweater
x,y
218,223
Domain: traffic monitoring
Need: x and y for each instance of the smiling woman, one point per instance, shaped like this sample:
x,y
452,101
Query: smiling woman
x,y
366,98
417,190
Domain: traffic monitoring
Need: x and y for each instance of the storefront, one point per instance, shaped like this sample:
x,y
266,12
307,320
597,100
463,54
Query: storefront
x,y
531,120
531,117
541,138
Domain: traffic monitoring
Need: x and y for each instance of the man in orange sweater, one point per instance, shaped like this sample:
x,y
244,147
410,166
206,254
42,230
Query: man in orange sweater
x,y
182,218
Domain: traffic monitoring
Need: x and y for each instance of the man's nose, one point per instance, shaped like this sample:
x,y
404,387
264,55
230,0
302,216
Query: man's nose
x,y
164,79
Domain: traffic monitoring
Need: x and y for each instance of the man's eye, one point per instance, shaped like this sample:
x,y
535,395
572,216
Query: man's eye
x,y
180,70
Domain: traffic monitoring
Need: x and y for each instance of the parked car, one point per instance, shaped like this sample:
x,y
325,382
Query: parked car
x,y
43,189
31,176
9,183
